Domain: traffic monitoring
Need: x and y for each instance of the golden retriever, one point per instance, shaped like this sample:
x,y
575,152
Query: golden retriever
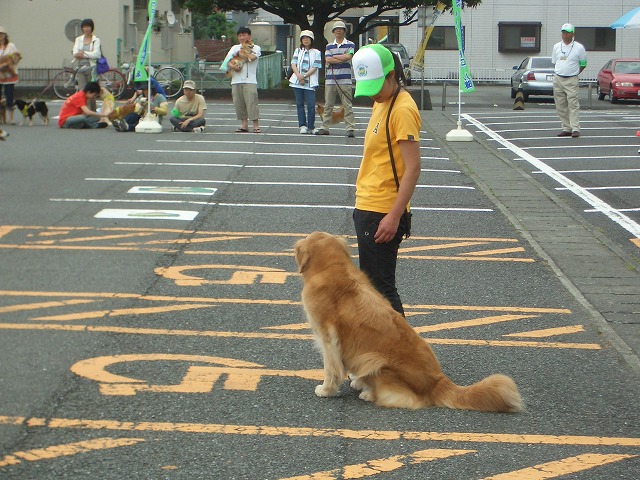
x,y
337,114
360,334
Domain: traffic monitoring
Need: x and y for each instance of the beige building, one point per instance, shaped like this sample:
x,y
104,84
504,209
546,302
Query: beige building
x,y
44,30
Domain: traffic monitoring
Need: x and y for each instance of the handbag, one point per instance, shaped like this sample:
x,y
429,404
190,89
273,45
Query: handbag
x,y
102,65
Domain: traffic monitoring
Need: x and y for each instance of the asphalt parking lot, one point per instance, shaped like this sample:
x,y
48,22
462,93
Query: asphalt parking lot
x,y
150,315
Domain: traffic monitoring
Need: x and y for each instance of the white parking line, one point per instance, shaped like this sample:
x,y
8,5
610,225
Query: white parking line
x,y
284,167
257,205
600,206
269,184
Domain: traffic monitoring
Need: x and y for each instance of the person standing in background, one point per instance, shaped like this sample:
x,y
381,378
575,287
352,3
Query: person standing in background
x,y
306,63
244,80
86,51
570,59
338,56
9,77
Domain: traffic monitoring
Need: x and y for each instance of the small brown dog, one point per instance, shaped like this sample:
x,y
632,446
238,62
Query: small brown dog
x,y
124,110
337,115
3,135
362,335
241,57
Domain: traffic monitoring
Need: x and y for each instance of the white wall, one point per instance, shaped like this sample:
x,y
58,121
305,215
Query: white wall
x,y
481,24
37,29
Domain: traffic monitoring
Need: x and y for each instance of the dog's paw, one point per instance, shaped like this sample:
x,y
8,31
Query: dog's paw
x,y
356,383
367,395
323,391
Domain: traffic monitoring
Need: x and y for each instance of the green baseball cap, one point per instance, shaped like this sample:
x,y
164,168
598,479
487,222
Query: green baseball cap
x,y
567,27
371,64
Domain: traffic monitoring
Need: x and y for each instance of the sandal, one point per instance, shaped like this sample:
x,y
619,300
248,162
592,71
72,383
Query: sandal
x,y
242,130
257,130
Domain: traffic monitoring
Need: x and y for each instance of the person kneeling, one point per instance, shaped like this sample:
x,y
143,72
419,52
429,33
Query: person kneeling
x,y
75,112
188,112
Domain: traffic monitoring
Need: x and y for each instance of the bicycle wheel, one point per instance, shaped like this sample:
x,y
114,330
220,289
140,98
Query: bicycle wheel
x,y
64,84
170,79
114,81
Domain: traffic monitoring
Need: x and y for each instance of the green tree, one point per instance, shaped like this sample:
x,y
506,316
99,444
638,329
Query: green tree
x,y
212,25
322,12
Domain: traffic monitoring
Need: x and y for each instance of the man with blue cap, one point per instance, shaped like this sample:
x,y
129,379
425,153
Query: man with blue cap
x,y
390,167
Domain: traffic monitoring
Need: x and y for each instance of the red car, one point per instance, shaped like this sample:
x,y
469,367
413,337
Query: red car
x,y
620,79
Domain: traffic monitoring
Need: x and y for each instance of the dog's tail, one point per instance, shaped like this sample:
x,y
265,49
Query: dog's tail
x,y
496,393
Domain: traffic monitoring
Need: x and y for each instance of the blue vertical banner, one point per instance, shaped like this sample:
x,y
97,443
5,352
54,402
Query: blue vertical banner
x,y
465,80
140,73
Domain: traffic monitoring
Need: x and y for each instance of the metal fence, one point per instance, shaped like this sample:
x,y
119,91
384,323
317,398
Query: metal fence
x,y
207,75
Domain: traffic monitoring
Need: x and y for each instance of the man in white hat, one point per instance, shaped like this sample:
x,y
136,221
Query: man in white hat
x,y
570,59
338,79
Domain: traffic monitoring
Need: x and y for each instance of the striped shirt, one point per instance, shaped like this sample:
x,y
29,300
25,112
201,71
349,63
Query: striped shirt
x,y
339,73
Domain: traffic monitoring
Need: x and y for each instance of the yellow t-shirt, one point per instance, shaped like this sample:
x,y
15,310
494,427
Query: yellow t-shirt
x,y
376,189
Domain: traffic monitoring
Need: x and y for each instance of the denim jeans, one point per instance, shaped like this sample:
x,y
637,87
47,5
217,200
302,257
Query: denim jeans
x,y
308,97
378,260
81,121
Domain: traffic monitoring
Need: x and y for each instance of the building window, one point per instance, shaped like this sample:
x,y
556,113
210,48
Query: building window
x,y
444,38
597,39
519,37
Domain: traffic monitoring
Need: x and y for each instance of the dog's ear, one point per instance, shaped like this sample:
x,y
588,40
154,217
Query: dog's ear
x,y
301,255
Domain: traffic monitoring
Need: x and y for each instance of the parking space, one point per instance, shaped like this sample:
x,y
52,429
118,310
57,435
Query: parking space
x,y
152,327
596,174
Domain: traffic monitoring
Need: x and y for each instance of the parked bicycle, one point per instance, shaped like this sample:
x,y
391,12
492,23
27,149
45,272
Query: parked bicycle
x,y
170,79
65,82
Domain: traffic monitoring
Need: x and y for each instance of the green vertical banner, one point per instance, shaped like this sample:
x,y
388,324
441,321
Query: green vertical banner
x,y
465,80
140,73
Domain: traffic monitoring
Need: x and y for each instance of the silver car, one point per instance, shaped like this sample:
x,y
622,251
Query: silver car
x,y
536,76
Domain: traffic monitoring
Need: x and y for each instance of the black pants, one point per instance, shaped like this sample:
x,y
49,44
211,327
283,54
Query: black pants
x,y
378,260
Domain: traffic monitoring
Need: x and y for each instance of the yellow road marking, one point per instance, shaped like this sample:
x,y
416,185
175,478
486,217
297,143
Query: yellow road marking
x,y
562,467
179,241
496,251
471,323
242,275
439,246
114,234
291,326
280,336
636,241
120,312
68,449
274,431
548,332
244,301
374,467
36,306
94,239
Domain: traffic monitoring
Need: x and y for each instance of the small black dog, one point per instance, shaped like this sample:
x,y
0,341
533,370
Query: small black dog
x,y
30,109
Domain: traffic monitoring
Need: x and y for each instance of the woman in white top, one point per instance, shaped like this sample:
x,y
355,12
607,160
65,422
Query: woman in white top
x,y
305,64
86,51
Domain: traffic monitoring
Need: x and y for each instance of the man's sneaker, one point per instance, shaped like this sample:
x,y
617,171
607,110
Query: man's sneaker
x,y
175,129
314,131
198,129
322,131
304,129
117,124
350,134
